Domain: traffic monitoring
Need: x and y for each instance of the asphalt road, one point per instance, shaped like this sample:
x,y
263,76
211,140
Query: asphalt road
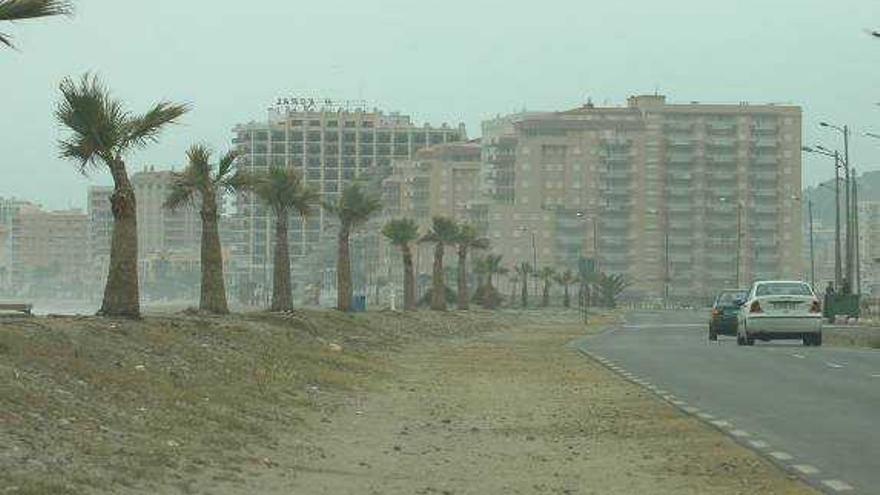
x,y
816,411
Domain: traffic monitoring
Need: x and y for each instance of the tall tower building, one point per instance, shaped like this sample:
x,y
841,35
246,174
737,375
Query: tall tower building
x,y
332,144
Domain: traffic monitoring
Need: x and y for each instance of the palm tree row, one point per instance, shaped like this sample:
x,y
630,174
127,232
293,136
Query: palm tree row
x,y
607,287
444,232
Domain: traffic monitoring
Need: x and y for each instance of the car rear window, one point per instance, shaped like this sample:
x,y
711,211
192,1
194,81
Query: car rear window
x,y
784,289
730,297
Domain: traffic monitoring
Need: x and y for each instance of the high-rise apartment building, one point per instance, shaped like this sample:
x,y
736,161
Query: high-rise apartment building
x,y
689,198
9,208
443,180
47,249
168,238
331,145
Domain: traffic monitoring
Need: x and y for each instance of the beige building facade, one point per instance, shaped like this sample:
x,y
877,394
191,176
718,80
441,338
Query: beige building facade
x,y
693,197
48,249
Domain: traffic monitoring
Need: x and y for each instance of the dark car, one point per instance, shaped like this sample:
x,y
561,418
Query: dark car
x,y
724,312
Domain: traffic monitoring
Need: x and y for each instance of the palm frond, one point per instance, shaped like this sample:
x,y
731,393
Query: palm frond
x,y
16,10
401,231
144,129
281,189
355,206
183,190
226,165
96,121
443,229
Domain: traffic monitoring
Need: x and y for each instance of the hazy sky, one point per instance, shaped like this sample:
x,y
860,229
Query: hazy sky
x,y
451,61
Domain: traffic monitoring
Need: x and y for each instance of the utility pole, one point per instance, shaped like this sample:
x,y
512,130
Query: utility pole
x,y
848,213
738,241
666,277
856,243
812,256
838,276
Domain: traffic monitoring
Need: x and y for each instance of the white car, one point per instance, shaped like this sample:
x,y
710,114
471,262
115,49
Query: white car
x,y
780,310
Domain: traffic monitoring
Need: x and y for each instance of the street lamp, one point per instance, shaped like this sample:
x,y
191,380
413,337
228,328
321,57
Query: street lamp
x,y
739,205
821,150
844,130
665,219
583,216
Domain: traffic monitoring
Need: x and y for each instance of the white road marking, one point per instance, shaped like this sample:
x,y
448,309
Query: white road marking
x,y
678,402
782,456
806,468
875,375
740,433
668,325
690,409
837,485
799,356
759,444
662,392
833,365
721,423
705,416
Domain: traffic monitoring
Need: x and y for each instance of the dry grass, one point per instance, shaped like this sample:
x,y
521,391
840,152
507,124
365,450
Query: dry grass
x,y
100,405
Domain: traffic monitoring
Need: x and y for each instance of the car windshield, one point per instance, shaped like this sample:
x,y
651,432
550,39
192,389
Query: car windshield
x,y
728,298
783,289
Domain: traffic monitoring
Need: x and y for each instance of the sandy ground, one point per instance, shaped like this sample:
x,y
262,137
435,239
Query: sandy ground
x,y
513,412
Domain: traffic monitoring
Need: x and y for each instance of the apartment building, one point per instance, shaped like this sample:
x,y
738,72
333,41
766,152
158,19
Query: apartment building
x,y
694,197
443,180
331,144
168,241
47,249
9,208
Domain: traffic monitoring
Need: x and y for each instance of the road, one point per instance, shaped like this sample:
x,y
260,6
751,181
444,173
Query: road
x,y
816,411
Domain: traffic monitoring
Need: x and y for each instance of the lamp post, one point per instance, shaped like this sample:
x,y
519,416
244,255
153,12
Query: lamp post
x,y
848,239
738,239
812,253
664,217
836,155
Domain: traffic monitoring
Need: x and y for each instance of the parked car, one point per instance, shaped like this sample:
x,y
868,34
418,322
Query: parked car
x,y
780,310
724,312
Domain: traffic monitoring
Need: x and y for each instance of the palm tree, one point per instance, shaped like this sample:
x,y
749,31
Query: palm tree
x,y
402,233
200,181
610,287
444,232
524,270
466,240
282,190
487,268
547,275
354,208
102,133
17,10
566,279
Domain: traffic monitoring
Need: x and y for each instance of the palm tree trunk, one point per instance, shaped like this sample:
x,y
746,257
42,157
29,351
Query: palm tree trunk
x,y
546,296
213,293
566,299
525,291
343,272
409,279
121,297
512,293
282,299
438,291
463,295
